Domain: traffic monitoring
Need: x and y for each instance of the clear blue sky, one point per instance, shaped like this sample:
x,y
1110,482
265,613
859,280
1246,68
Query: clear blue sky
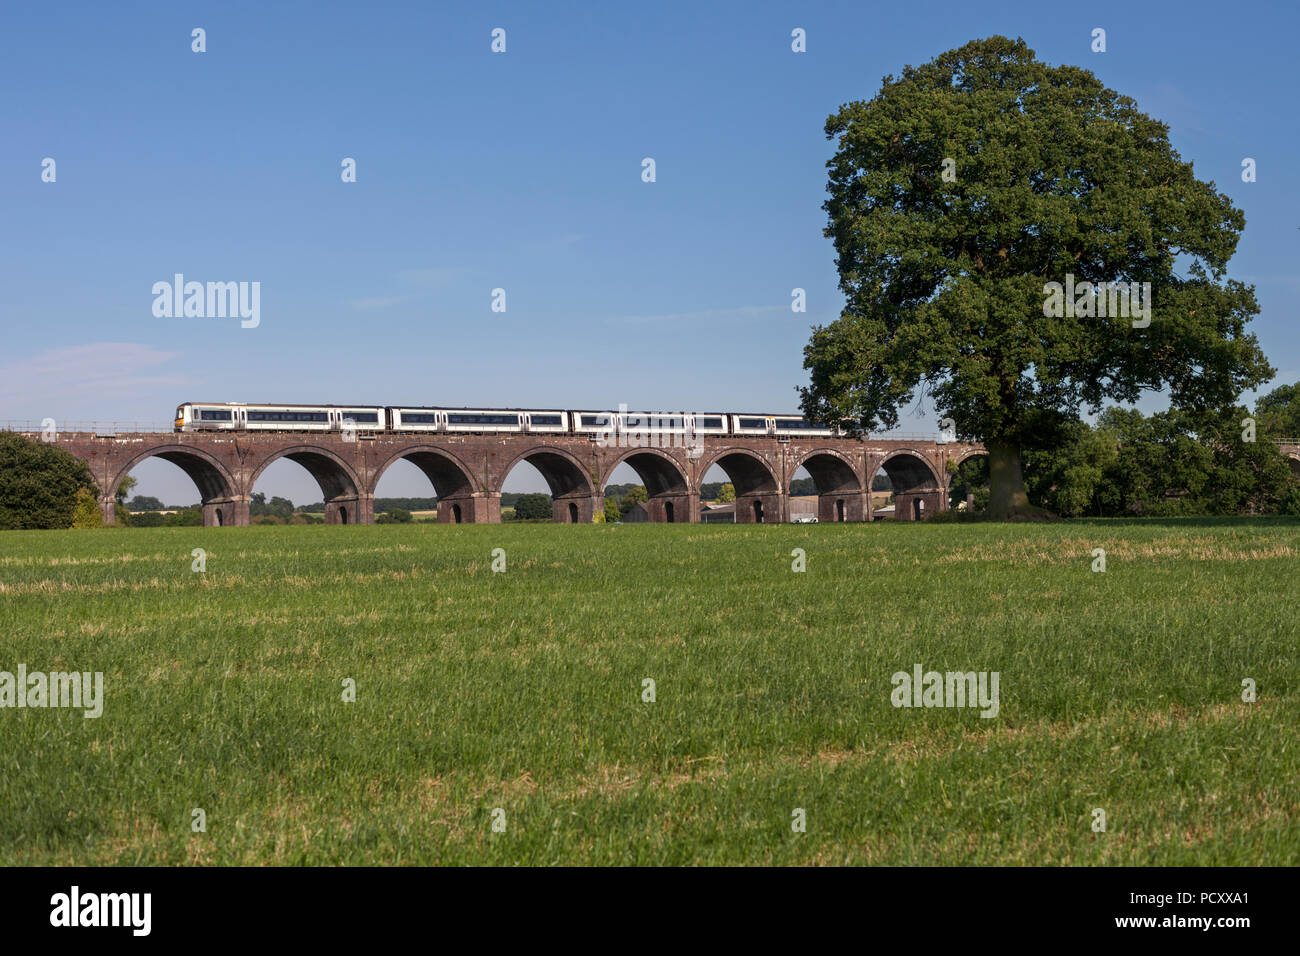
x,y
521,171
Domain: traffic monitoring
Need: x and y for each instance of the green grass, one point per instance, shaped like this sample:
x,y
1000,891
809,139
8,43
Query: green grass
x,y
523,691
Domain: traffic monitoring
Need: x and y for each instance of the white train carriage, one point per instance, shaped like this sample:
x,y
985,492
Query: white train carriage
x,y
595,423
481,420
795,426
752,425
782,426
192,417
237,416
633,425
542,421
414,419
711,423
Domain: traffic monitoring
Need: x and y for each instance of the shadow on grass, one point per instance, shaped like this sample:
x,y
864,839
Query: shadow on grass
x,y
1189,521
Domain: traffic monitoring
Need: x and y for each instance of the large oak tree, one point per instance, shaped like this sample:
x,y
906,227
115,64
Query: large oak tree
x,y
961,190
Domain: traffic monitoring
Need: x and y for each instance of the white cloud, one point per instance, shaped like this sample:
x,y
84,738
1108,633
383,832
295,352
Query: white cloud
x,y
101,370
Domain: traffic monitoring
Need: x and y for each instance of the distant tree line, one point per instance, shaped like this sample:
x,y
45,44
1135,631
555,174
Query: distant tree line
x,y
1169,463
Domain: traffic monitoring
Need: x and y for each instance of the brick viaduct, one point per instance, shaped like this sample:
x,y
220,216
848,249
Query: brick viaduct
x,y
467,471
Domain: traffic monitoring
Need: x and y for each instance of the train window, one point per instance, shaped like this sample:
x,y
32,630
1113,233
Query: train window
x,y
655,422
595,421
546,419
418,418
313,417
454,419
363,418
795,423
753,423
709,422
214,415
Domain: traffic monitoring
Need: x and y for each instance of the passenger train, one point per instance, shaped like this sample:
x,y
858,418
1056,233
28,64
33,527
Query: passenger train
x,y
235,416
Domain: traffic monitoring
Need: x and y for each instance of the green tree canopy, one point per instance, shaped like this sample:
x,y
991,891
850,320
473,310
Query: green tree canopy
x,y
533,506
39,483
957,195
1169,463
124,488
1278,414
634,497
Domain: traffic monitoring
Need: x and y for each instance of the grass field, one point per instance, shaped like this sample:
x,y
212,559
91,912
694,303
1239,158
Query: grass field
x,y
523,691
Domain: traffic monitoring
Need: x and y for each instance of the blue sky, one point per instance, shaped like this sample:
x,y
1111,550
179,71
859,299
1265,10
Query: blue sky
x,y
519,171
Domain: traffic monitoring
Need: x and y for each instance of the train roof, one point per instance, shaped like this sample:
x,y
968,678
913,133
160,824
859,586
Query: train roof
x,y
290,404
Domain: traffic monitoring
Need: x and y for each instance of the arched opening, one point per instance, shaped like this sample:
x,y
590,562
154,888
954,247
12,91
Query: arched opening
x,y
641,487
404,482
836,492
548,483
746,479
291,499
1295,466
968,483
159,488
915,488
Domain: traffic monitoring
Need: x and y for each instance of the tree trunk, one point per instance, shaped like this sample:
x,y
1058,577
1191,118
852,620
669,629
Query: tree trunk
x,y
1008,500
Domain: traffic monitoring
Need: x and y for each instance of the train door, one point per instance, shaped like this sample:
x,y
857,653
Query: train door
x,y
241,419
